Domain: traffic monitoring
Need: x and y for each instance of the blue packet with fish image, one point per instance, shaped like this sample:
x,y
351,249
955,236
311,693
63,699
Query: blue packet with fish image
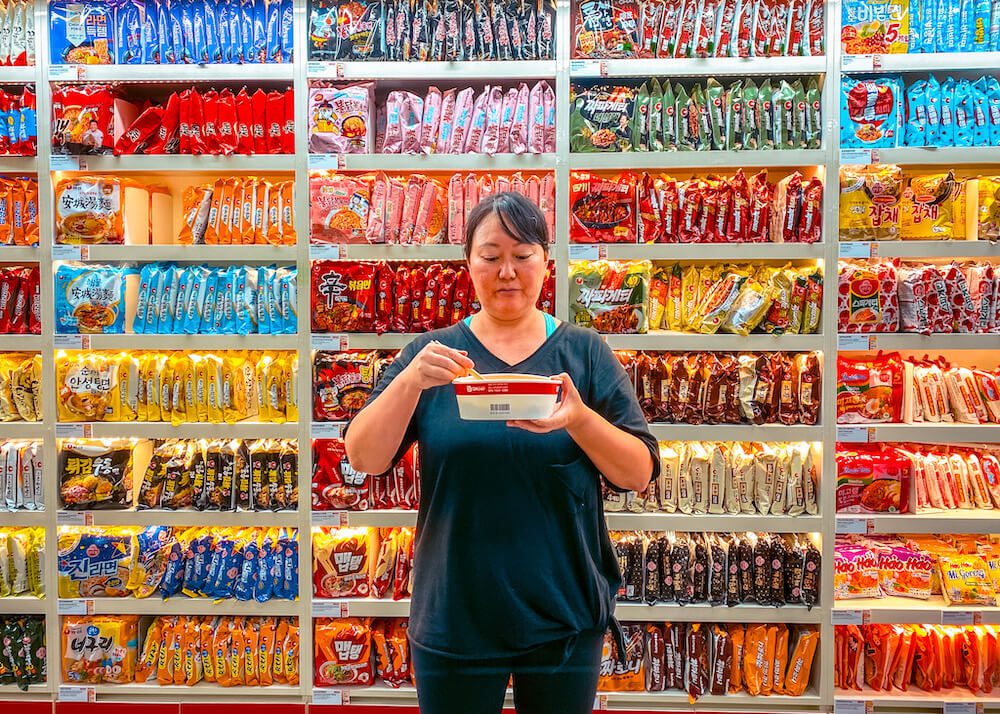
x,y
190,311
275,308
980,113
274,47
181,298
264,276
214,578
236,31
173,576
200,45
243,588
175,16
207,322
946,131
156,278
128,38
90,299
259,32
932,99
228,324
287,30
223,286
186,10
168,300
916,114
142,302
197,561
222,11
213,49
246,31
289,551
993,109
165,33
263,586
13,125
963,113
289,302
150,32
240,307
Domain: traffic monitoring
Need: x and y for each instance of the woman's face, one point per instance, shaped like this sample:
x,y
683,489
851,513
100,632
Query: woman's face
x,y
507,275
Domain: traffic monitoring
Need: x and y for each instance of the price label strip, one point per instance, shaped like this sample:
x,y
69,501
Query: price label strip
x,y
964,708
853,343
327,252
331,697
855,249
852,706
77,694
849,617
74,431
855,526
961,617
74,518
71,342
585,252
75,607
855,434
333,343
334,519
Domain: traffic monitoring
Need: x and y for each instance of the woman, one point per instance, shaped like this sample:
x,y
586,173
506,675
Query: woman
x,y
514,570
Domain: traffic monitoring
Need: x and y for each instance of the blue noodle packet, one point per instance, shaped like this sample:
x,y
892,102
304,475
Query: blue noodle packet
x,y
274,48
168,296
916,114
195,301
165,33
186,11
289,302
948,15
932,99
236,31
246,31
259,32
207,324
128,38
150,32
240,307
263,585
244,588
287,587
200,53
994,26
197,561
155,290
145,291
980,113
213,48
264,281
222,11
993,114
928,25
173,576
287,30
181,298
176,17
275,310
916,40
229,320
963,110
946,132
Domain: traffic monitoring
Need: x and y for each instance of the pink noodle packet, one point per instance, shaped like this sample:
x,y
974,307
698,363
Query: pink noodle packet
x,y
533,190
549,133
506,117
394,210
486,186
456,210
431,120
519,124
463,119
425,208
380,128
446,124
375,230
474,139
411,204
410,120
503,183
471,193
536,120
431,218
517,184
491,134
547,201
393,143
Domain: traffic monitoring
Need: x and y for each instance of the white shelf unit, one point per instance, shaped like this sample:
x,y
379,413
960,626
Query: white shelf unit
x,y
735,432
192,253
228,519
696,67
665,160
432,162
937,433
387,252
919,62
947,701
22,429
201,692
21,343
940,156
18,75
955,521
176,73
667,340
702,523
18,165
713,251
509,71
932,343
132,341
22,605
237,164
901,611
156,606
165,430
19,254
922,249
20,519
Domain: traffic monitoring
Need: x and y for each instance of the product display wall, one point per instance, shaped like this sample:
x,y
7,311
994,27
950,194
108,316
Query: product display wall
x,y
220,221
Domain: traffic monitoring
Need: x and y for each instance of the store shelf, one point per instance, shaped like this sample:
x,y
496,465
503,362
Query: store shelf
x,y
193,253
936,433
18,164
193,342
176,73
22,429
713,251
916,343
953,522
387,252
360,607
698,67
666,340
434,71
921,249
363,341
20,519
18,254
21,343
914,699
712,523
638,161
433,162
165,430
919,62
940,156
10,692
21,605
902,610
17,75
201,692
735,432
234,165
390,518
641,612
261,519
155,605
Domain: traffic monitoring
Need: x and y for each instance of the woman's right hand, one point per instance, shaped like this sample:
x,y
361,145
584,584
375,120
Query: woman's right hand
x,y
437,364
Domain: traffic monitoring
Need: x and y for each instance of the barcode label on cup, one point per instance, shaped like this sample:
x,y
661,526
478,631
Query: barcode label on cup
x,y
499,409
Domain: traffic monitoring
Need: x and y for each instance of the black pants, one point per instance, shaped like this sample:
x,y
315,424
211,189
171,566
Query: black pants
x,y
556,678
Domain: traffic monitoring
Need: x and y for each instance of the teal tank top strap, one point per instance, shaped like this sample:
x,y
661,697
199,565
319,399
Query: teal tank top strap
x,y
550,325
468,321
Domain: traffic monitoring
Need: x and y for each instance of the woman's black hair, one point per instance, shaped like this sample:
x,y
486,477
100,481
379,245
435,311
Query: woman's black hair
x,y
521,219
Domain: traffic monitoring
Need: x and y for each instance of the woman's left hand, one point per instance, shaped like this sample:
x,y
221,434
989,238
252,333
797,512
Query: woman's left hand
x,y
569,412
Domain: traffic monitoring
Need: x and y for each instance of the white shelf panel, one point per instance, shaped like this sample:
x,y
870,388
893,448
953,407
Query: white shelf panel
x,y
666,340
921,62
956,521
193,253
901,610
389,252
735,432
395,517
20,519
637,161
915,342
368,340
653,521
22,429
18,164
193,342
952,156
937,433
433,71
12,691
17,75
914,698
713,251
360,607
640,612
924,249
163,430
181,73
21,605
21,343
18,254
154,164
201,692
433,162
262,519
155,605
701,67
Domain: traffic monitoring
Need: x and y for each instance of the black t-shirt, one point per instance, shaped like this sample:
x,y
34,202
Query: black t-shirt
x,y
512,550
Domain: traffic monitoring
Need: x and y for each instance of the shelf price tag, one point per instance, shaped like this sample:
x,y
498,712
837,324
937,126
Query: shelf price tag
x,y
961,617
70,252
326,161
854,249
854,434
331,697
327,252
335,519
847,343
77,694
74,431
587,68
329,342
858,156
75,607
327,430
74,518
849,617
584,252
61,162
852,706
69,72
328,608
601,702
71,342
855,526
963,708
858,63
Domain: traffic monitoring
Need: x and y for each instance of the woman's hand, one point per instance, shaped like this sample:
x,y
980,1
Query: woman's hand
x,y
437,364
569,412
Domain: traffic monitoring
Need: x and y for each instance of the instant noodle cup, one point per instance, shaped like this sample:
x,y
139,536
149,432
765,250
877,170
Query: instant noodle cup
x,y
501,397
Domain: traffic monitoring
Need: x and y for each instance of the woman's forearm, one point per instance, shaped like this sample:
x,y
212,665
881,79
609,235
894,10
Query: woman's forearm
x,y
378,430
623,458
